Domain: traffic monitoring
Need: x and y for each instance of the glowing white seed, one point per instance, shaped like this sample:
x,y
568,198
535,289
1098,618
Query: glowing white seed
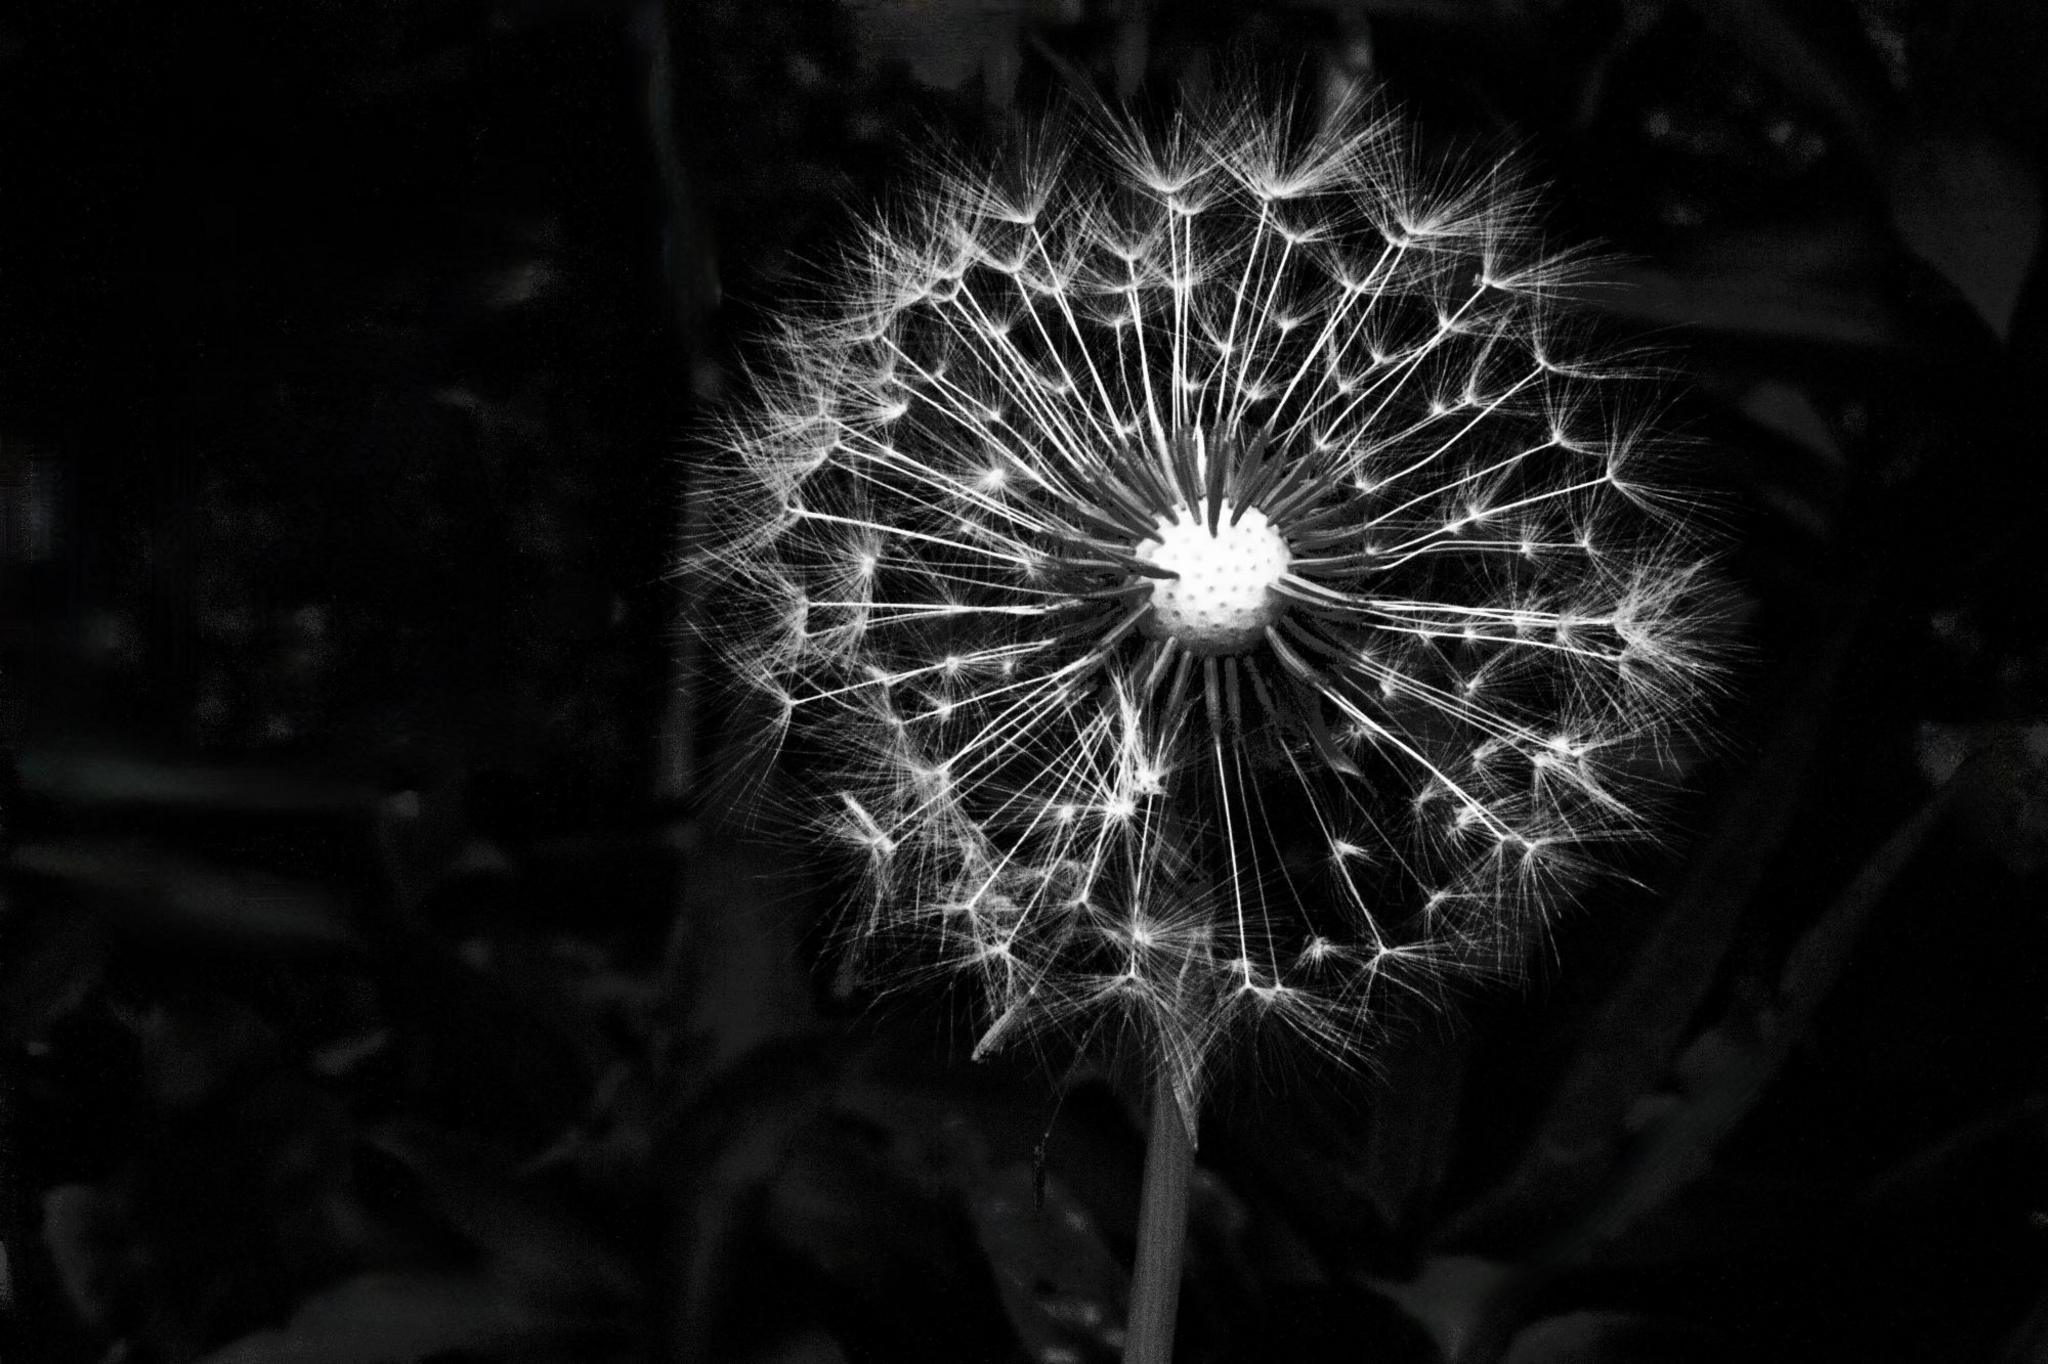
x,y
1223,599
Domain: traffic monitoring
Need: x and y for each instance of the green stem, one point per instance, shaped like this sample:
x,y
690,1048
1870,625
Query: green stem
x,y
1162,1232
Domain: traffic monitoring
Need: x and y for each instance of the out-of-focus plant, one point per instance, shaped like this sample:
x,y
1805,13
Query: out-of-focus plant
x,y
1233,591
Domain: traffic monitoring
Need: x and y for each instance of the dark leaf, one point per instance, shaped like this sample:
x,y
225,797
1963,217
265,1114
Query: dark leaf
x,y
1969,206
93,1248
944,45
1461,1300
382,1318
533,1244
90,779
1061,1287
1813,49
1723,1072
1412,1129
1643,1021
1755,301
182,893
53,962
1594,1337
2002,803
732,956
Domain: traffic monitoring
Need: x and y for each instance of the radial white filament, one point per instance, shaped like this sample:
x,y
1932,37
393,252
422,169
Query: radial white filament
x,y
1226,587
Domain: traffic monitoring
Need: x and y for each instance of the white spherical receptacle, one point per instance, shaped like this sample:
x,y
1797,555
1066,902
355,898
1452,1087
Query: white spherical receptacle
x,y
1221,599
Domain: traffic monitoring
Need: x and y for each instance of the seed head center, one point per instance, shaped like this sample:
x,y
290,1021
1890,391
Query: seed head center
x,y
1223,599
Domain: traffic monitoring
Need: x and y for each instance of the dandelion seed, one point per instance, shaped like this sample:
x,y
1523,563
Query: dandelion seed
x,y
1226,587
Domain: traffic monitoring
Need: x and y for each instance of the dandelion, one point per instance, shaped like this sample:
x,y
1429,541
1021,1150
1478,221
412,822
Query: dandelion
x,y
1233,592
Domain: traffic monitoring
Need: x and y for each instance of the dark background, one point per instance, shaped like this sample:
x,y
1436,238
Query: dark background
x,y
377,984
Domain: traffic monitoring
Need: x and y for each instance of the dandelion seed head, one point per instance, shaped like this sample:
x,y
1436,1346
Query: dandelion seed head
x,y
1233,592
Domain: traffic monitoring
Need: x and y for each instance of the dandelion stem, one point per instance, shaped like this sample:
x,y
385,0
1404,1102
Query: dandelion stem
x,y
1162,1231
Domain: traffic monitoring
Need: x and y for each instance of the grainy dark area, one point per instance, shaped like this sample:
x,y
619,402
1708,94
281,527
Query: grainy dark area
x,y
386,974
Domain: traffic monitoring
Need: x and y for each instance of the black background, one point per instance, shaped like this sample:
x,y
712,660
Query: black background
x,y
377,984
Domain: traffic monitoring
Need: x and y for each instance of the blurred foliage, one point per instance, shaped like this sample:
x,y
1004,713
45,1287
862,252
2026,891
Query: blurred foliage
x,y
377,982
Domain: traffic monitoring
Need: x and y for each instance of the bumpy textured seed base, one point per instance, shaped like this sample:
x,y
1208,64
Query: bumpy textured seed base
x,y
1223,599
